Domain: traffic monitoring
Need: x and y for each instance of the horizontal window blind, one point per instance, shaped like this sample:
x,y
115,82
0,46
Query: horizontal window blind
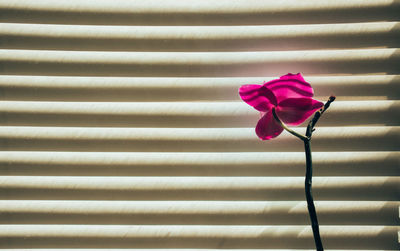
x,y
121,127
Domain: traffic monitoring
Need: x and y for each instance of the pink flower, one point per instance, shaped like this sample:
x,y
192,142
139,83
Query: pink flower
x,y
290,95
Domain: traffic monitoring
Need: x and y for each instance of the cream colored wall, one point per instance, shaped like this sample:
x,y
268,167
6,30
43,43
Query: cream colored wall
x,y
121,126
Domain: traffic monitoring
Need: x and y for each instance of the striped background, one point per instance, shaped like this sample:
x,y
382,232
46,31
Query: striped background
x,y
121,126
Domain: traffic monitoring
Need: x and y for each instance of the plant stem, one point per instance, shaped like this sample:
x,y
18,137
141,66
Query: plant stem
x,y
309,197
308,179
298,135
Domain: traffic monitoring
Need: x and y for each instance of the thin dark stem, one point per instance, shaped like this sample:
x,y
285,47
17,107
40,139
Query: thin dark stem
x,y
317,115
298,135
308,179
310,201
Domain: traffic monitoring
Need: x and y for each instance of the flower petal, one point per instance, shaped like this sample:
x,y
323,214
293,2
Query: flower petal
x,y
290,86
294,111
258,97
267,127
291,76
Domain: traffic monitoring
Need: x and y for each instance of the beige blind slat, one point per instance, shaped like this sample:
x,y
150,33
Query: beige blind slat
x,y
179,114
201,236
203,38
66,88
198,64
384,138
197,164
196,212
195,12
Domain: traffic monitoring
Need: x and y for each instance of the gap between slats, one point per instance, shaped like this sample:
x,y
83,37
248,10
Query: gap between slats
x,y
188,249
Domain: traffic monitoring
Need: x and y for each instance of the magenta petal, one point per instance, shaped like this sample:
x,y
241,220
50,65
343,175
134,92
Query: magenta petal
x,y
291,76
290,86
294,111
258,97
267,127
